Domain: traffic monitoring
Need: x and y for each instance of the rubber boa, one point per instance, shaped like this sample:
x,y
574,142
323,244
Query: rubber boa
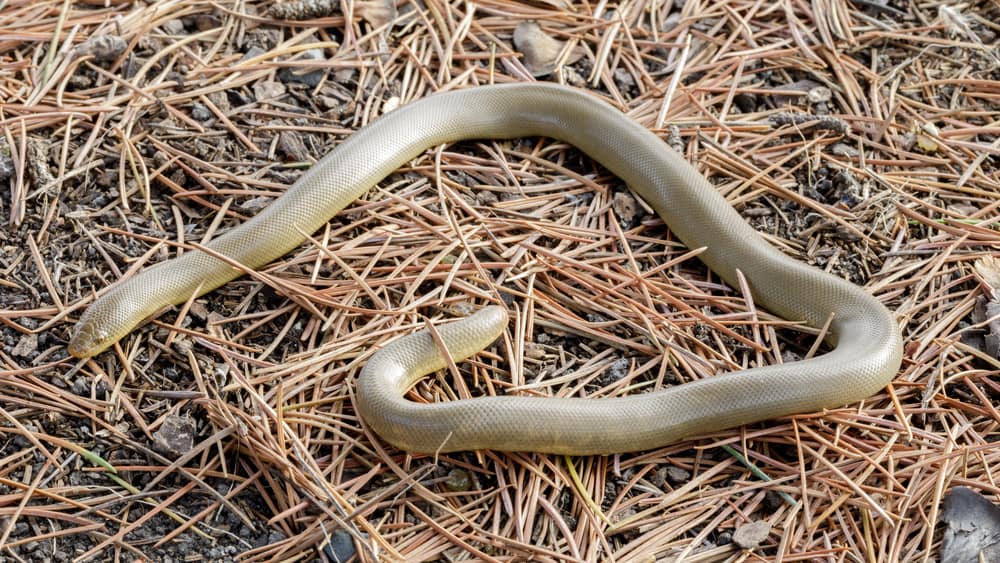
x,y
867,348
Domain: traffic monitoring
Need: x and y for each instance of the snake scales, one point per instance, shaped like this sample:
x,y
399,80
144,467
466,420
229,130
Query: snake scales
x,y
867,346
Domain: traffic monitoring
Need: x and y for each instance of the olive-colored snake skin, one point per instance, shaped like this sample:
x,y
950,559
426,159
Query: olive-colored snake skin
x,y
867,346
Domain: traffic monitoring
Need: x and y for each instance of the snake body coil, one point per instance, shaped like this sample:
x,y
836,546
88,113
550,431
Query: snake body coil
x,y
867,346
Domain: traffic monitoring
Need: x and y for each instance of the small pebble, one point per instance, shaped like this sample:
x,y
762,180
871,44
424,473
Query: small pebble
x,y
534,351
104,48
26,346
328,103
458,480
205,22
6,166
290,144
819,94
749,536
301,74
843,149
268,90
175,437
80,387
341,546
173,27
252,52
616,371
678,474
486,197
200,112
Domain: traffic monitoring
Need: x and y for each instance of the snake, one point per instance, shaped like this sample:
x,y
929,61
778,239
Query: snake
x,y
864,341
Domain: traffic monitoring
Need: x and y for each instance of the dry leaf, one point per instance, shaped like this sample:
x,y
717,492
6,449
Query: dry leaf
x,y
971,527
540,50
955,22
988,269
925,138
376,12
390,104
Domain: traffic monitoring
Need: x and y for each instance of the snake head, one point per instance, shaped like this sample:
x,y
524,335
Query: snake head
x,y
88,339
115,313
